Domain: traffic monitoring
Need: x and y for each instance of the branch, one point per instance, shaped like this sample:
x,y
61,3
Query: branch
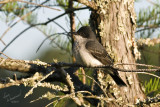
x,y
45,74
156,4
37,5
57,45
148,42
147,28
66,12
138,64
8,1
44,23
59,25
36,85
65,76
15,38
89,4
148,101
34,66
21,18
31,81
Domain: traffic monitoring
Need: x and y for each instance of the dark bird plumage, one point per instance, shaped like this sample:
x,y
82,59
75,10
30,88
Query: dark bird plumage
x,y
88,51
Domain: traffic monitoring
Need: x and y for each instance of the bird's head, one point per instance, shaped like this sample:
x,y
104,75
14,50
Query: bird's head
x,y
86,32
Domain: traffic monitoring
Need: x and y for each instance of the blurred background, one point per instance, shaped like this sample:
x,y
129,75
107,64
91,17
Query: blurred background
x,y
51,42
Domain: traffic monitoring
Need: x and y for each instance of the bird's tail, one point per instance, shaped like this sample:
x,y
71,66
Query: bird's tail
x,y
114,74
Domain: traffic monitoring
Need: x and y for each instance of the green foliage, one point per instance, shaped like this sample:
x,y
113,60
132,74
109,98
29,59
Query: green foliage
x,y
62,42
84,23
64,103
13,10
152,87
63,4
148,20
88,75
12,7
47,30
31,18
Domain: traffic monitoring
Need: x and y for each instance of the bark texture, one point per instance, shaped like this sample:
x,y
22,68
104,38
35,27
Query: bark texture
x,y
116,22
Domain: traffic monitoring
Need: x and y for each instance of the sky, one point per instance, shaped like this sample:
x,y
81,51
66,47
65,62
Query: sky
x,y
26,45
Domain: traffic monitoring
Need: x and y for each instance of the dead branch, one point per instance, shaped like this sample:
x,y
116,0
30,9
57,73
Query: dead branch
x,y
88,3
31,82
148,101
28,66
45,74
148,42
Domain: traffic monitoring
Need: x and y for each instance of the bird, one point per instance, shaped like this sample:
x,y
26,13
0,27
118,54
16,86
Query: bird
x,y
89,52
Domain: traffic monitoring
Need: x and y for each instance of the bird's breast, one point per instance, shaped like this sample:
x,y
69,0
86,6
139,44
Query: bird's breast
x,y
83,56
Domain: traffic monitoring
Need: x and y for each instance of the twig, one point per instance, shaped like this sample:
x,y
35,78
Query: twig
x,y
5,55
61,64
35,86
79,20
26,66
15,38
49,5
45,23
48,38
147,28
13,83
148,101
65,34
7,1
96,83
137,70
145,65
38,5
21,18
59,25
88,3
61,97
66,12
148,42
27,82
71,87
83,75
28,29
156,4
149,74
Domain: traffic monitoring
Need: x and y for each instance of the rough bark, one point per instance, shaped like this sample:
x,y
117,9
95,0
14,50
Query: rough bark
x,y
116,21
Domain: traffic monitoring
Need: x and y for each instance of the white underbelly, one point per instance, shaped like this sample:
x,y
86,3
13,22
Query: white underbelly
x,y
85,58
88,59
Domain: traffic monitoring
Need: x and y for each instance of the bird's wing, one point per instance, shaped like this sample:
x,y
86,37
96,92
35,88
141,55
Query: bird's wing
x,y
99,52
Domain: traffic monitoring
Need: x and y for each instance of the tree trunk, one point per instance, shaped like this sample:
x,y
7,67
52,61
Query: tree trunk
x,y
116,22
